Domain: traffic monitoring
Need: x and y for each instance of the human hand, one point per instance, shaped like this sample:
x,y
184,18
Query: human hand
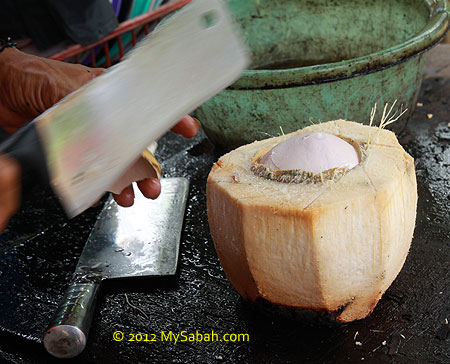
x,y
29,85
9,189
151,187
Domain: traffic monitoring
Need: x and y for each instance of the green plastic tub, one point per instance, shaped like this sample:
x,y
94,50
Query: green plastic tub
x,y
323,60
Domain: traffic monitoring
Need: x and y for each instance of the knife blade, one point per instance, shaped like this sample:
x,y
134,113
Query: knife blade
x,y
142,240
90,137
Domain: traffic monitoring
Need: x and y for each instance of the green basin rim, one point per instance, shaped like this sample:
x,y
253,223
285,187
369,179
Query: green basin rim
x,y
437,26
341,77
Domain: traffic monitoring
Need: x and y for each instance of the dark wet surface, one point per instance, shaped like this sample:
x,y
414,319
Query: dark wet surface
x,y
41,247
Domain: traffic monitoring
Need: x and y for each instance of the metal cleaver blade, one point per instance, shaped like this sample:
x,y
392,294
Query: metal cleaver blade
x,y
93,135
84,143
142,240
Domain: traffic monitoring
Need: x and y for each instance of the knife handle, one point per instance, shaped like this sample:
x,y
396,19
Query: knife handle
x,y
25,147
66,335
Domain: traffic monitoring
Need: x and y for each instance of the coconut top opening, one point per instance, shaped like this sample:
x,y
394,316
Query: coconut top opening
x,y
311,152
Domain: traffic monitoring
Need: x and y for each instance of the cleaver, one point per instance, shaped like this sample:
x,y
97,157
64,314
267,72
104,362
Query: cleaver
x,y
83,144
142,240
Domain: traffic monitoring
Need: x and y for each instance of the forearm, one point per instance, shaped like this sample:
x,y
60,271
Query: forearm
x,y
29,85
15,111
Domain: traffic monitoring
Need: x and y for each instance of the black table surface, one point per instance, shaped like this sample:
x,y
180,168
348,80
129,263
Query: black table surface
x,y
40,248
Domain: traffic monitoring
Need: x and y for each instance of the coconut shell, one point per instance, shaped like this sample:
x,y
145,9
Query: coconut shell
x,y
335,245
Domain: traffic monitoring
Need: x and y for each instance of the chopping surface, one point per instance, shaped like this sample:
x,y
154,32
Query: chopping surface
x,y
40,250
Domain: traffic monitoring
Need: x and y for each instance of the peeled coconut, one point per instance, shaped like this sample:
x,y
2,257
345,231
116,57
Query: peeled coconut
x,y
319,219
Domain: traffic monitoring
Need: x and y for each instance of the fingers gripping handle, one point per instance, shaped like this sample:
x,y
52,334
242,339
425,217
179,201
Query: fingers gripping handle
x,y
67,333
25,147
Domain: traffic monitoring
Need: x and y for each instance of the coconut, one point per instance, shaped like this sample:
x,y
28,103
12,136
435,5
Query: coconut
x,y
327,239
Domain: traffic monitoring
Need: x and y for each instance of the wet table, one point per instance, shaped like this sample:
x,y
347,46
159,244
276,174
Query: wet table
x,y
40,250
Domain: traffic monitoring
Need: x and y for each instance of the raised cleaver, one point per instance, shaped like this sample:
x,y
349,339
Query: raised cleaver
x,y
84,143
142,240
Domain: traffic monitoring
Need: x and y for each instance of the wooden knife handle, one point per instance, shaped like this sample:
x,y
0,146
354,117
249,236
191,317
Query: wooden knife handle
x,y
66,335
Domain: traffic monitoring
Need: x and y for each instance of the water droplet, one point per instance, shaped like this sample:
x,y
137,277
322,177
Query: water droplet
x,y
118,250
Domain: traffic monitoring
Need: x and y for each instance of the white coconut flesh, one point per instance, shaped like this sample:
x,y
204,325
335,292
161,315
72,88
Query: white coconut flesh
x,y
311,152
335,245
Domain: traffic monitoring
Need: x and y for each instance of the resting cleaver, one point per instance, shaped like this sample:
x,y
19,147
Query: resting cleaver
x,y
125,242
85,142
